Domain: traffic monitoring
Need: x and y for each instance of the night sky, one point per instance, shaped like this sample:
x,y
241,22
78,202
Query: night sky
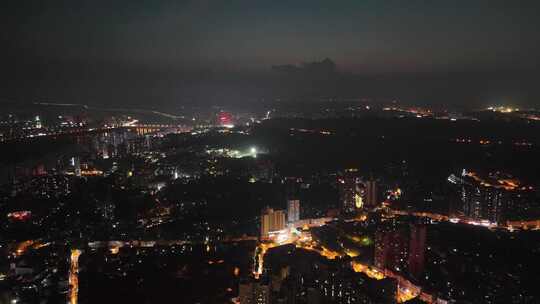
x,y
168,53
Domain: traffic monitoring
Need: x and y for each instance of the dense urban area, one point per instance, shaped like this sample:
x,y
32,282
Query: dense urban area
x,y
342,201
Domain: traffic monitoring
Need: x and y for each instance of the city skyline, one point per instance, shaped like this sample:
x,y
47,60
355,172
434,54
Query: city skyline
x,y
269,152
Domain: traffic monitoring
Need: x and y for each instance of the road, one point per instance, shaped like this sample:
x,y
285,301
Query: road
x,y
302,239
74,276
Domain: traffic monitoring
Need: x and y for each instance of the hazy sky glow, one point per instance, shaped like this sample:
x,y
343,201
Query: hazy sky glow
x,y
47,39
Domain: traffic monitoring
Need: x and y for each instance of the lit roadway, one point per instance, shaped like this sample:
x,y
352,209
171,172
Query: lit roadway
x,y
74,276
133,124
21,248
510,225
302,239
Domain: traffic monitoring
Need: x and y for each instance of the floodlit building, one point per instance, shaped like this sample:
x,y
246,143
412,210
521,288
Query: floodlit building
x,y
349,190
494,197
272,220
371,194
293,210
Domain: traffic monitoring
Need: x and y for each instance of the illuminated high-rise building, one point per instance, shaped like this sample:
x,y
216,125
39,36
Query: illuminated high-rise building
x,y
76,164
391,247
494,197
348,186
293,210
272,220
417,248
371,194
